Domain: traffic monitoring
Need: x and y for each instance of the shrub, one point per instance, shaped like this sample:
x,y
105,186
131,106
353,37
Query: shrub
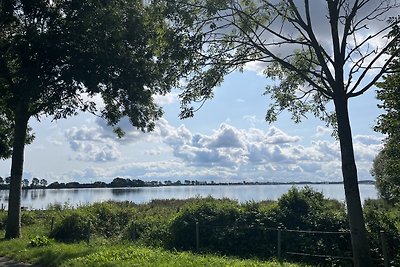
x,y
74,227
3,219
111,218
27,218
151,231
39,241
253,234
306,209
380,216
214,218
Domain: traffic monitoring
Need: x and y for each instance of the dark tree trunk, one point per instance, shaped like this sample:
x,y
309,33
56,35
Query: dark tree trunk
x,y
13,229
361,254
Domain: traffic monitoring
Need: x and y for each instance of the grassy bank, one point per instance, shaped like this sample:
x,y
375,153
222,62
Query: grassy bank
x,y
103,252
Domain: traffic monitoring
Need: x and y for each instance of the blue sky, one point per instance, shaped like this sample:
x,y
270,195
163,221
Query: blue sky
x,y
227,140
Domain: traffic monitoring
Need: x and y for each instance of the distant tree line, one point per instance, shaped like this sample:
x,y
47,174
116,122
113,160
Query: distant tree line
x,y
37,183
26,184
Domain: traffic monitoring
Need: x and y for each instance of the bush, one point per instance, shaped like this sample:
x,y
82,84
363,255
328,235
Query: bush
x,y
380,216
74,227
3,219
111,218
213,216
28,218
150,231
306,209
39,241
253,234
249,229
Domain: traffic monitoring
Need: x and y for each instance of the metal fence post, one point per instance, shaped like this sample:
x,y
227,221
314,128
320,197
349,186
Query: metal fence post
x,y
52,224
197,236
88,232
384,249
279,244
133,231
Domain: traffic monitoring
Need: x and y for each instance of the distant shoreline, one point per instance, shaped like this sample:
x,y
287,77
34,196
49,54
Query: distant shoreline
x,y
127,183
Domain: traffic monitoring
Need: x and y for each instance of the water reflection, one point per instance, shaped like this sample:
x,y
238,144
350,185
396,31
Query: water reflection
x,y
41,198
37,194
124,191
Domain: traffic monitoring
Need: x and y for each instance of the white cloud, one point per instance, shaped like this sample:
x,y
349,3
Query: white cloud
x,y
228,153
368,139
167,99
276,136
256,66
227,136
322,131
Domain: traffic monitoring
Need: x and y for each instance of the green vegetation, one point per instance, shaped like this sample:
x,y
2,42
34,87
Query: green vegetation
x,y
55,53
163,232
386,166
283,35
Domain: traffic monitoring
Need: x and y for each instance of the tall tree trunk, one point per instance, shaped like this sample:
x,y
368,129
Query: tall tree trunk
x,y
361,254
13,229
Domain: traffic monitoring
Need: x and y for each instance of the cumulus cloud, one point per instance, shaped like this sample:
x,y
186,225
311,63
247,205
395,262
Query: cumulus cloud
x,y
368,139
275,152
226,153
167,99
276,136
321,131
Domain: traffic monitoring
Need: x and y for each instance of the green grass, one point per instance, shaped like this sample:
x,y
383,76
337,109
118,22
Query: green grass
x,y
146,257
106,252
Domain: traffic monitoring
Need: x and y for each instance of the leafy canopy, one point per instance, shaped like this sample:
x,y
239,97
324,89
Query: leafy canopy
x,y
55,56
288,40
386,165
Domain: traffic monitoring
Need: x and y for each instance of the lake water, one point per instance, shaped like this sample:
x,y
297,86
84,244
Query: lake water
x,y
40,198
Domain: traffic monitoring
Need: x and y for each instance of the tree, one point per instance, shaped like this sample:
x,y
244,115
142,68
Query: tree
x,y
386,169
1,180
35,182
386,166
43,182
7,180
318,51
55,56
25,183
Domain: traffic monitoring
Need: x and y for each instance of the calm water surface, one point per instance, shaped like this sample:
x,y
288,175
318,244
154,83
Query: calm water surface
x,y
40,198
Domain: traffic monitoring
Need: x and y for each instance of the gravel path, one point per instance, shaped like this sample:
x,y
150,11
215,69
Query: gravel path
x,y
5,262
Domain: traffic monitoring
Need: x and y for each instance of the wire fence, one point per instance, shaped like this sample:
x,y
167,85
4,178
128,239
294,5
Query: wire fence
x,y
285,242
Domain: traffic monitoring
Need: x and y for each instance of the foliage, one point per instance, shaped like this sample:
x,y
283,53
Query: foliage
x,y
386,170
113,254
110,218
211,215
28,218
226,227
75,226
39,241
389,93
3,219
381,216
250,229
56,56
307,209
386,165
311,67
